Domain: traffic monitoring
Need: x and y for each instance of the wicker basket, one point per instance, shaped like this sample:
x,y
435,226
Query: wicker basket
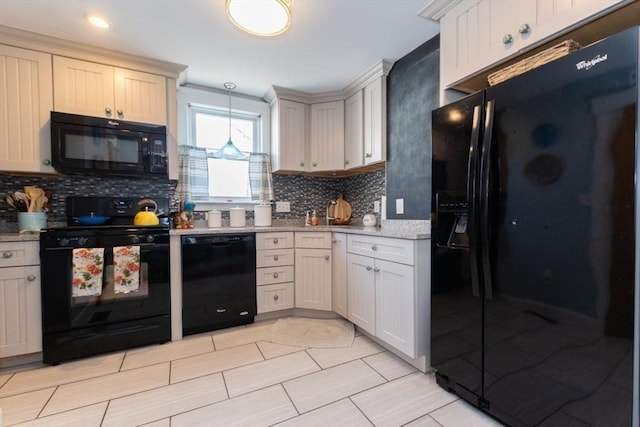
x,y
534,61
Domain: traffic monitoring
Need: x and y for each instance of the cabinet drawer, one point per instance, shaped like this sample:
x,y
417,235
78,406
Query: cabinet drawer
x,y
396,250
274,297
313,239
19,253
274,257
270,275
274,240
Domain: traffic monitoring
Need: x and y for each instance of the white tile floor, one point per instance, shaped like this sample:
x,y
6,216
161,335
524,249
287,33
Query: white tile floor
x,y
233,378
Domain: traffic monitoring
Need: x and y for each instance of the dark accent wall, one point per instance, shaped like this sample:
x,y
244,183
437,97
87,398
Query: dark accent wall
x,y
412,92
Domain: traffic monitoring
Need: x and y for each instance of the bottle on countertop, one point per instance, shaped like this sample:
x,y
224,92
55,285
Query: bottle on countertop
x,y
314,218
307,220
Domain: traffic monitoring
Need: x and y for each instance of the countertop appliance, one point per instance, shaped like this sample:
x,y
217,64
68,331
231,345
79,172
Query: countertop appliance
x,y
104,287
106,147
535,242
218,281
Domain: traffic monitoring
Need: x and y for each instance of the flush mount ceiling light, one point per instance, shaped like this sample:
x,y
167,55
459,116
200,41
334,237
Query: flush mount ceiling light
x,y
98,21
260,17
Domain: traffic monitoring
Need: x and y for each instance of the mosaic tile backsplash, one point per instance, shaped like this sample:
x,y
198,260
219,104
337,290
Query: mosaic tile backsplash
x,y
304,193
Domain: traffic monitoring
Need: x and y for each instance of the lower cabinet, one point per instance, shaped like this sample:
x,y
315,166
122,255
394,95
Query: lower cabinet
x,y
20,318
313,270
339,273
274,272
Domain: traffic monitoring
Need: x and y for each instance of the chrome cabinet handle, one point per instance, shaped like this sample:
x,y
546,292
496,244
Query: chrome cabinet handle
x,y
276,297
524,29
46,162
368,155
120,113
7,254
326,257
275,257
507,39
374,248
334,241
369,268
107,110
314,164
346,162
376,270
275,241
275,275
31,278
301,163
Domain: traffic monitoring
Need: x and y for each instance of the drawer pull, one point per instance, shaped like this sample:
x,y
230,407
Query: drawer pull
x,y
7,254
275,297
376,270
326,257
275,275
31,278
221,310
374,248
275,257
275,241
369,268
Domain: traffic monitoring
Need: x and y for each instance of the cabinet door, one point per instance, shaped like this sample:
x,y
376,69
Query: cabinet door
x,y
274,297
339,273
20,321
26,96
361,295
313,279
82,87
375,121
354,131
327,136
140,97
395,305
289,136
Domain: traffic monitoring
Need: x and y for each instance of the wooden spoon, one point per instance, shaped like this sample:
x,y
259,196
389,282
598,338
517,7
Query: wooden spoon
x,y
34,193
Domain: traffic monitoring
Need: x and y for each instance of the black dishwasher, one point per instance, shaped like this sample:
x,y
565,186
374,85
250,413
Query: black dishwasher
x,y
218,281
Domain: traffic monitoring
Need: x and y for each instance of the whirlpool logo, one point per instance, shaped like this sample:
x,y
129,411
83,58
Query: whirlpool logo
x,y
587,65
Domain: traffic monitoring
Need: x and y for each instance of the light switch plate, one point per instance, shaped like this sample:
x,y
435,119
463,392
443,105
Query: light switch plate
x,y
376,206
400,206
283,207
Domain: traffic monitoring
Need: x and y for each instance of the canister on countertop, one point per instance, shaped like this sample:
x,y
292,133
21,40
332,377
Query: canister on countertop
x,y
237,217
214,219
262,215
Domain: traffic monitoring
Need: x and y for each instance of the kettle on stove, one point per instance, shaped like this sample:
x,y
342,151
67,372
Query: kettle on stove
x,y
147,217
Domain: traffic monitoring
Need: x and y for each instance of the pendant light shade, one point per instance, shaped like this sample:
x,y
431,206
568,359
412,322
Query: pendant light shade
x,y
229,151
260,17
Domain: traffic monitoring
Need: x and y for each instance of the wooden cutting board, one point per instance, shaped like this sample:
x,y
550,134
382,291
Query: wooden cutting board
x,y
341,210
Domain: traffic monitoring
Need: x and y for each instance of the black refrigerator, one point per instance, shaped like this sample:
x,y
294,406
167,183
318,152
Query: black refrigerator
x,y
535,242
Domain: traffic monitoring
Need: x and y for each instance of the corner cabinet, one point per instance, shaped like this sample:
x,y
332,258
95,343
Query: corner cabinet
x,y
26,96
21,330
326,151
313,270
289,135
478,33
93,89
388,292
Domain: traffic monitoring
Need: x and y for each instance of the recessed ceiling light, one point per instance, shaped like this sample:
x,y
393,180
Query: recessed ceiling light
x,y
98,21
260,17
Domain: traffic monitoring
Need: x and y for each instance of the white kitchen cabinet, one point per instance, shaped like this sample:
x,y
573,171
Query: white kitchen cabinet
x,y
388,292
87,88
476,34
326,151
375,121
275,271
288,135
354,131
313,270
26,96
20,318
339,273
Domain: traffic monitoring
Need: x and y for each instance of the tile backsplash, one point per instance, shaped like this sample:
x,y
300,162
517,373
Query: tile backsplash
x,y
302,192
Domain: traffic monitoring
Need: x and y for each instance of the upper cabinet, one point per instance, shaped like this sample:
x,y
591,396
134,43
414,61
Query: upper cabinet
x,y
327,136
476,34
354,131
288,136
375,121
92,89
26,96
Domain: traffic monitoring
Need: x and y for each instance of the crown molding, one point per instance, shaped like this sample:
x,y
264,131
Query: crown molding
x,y
436,9
57,46
379,69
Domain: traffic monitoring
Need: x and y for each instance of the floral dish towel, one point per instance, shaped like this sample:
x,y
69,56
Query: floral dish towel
x,y
126,269
88,265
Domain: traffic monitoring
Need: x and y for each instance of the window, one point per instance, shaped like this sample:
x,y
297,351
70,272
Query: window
x,y
228,179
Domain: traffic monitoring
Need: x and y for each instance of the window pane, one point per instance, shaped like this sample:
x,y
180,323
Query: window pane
x,y
212,131
228,178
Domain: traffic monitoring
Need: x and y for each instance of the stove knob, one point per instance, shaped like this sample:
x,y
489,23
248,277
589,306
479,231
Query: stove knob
x,y
135,239
63,241
82,241
150,238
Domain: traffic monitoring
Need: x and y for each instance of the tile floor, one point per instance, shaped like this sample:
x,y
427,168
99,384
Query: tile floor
x,y
233,378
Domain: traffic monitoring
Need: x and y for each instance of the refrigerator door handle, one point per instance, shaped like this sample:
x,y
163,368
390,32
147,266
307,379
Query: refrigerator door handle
x,y
472,200
485,182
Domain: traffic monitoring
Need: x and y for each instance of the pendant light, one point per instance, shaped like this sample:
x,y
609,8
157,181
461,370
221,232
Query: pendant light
x,y
229,151
260,17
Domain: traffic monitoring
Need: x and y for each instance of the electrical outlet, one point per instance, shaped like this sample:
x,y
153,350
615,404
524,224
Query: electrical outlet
x,y
376,206
283,207
400,206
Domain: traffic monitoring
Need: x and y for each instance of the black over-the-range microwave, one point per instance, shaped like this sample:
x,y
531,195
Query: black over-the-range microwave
x,y
107,147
